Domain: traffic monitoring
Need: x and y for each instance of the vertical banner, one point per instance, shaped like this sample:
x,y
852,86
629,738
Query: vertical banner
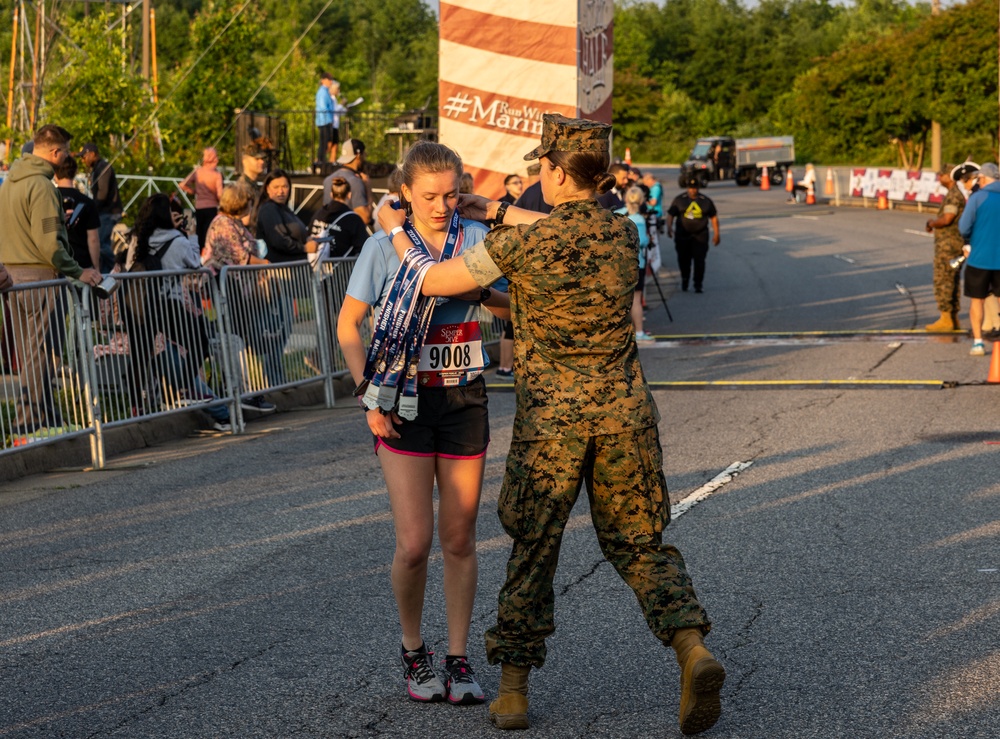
x,y
503,63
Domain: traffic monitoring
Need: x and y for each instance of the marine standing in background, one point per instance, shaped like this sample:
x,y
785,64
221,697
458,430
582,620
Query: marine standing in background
x,y
947,245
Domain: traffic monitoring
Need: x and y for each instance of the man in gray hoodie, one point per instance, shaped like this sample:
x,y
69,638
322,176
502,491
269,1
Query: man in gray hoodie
x,y
35,247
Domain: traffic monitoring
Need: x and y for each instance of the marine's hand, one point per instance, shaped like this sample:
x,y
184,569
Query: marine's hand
x,y
389,218
383,426
5,279
473,207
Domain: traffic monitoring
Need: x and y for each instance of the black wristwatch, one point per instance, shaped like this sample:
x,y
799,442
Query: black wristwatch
x,y
484,294
501,212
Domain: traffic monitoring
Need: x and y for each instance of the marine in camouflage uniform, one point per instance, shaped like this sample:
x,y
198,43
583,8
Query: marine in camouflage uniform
x,y
584,414
947,245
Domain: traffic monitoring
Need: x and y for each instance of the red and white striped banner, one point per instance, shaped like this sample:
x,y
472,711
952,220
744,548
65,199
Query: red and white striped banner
x,y
503,63
896,184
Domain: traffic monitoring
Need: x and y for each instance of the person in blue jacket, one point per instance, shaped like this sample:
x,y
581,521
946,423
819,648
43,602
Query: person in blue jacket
x,y
980,227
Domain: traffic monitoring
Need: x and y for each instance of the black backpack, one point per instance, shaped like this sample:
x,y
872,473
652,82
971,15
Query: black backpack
x,y
154,260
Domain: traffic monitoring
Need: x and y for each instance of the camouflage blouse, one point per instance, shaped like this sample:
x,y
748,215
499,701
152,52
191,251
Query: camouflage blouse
x,y
572,275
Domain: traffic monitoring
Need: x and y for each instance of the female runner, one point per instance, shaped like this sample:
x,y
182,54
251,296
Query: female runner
x,y
447,440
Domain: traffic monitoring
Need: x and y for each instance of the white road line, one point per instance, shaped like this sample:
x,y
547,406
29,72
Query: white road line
x,y
918,233
842,258
767,238
679,509
807,218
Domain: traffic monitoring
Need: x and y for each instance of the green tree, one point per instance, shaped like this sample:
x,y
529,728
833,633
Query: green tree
x,y
220,74
96,95
866,101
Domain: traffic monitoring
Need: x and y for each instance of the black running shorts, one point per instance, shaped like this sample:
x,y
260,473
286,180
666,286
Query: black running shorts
x,y
451,422
979,283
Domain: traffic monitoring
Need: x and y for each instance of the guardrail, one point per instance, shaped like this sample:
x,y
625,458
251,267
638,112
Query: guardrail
x,y
164,343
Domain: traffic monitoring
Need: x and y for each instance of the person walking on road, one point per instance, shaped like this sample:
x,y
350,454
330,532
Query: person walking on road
x,y
692,213
947,246
584,414
447,439
980,227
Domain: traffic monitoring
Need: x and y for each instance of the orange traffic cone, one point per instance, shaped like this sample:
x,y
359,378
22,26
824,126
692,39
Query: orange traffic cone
x,y
994,376
883,201
828,188
810,196
789,180
765,179
628,156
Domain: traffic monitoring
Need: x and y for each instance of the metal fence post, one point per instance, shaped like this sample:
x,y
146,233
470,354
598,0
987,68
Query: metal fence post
x,y
230,384
88,371
323,331
225,331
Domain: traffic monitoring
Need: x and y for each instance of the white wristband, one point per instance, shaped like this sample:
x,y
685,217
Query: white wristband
x,y
393,232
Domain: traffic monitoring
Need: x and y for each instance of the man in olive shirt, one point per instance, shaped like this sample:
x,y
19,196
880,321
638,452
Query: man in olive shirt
x,y
36,248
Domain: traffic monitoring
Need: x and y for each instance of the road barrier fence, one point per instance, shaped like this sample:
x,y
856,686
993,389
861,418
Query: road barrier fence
x,y
74,363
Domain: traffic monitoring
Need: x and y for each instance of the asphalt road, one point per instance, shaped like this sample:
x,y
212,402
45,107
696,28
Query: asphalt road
x,y
238,587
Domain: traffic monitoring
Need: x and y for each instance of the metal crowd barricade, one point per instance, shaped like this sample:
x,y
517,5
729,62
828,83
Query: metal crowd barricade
x,y
273,319
44,396
153,349
167,342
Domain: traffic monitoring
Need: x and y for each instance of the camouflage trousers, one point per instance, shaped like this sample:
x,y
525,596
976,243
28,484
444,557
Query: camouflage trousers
x,y
629,507
946,279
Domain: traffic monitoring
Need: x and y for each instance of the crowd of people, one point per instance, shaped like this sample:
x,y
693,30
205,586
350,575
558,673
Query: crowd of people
x,y
63,232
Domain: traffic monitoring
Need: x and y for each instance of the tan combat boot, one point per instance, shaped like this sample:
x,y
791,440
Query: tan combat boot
x,y
954,321
944,323
701,682
510,709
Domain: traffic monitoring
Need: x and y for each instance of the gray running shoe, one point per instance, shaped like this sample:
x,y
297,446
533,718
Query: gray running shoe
x,y
422,682
463,690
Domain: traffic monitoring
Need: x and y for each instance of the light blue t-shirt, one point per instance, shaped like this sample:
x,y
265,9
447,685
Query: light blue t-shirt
x,y
656,193
375,271
640,223
324,106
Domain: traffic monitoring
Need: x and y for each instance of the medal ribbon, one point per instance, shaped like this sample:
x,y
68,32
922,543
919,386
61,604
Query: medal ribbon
x,y
394,354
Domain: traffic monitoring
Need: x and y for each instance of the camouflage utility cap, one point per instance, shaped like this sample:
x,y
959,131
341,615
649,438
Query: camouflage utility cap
x,y
560,133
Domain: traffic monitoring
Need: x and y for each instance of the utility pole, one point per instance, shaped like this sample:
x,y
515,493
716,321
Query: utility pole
x,y
935,126
145,39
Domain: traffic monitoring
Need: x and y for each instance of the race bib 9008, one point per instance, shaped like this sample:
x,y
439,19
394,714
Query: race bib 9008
x,y
452,355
